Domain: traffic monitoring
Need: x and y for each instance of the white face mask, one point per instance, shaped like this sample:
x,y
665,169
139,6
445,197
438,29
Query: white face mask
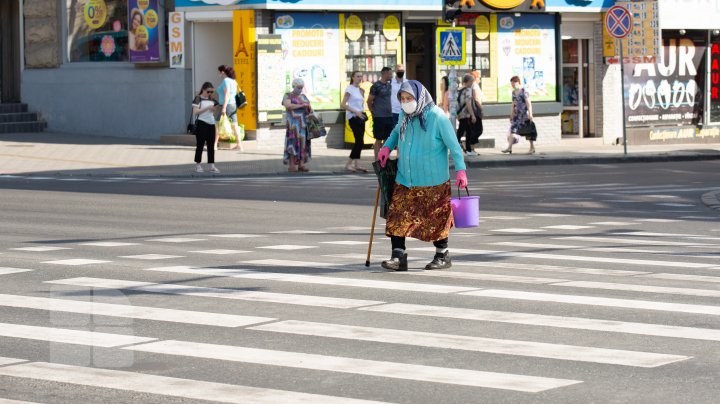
x,y
409,107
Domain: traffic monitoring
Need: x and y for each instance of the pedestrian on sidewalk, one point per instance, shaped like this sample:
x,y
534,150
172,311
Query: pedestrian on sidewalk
x,y
395,83
353,103
420,205
381,107
226,92
469,114
204,106
445,95
297,145
520,114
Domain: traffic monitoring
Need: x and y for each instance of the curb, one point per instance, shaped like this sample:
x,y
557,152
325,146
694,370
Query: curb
x,y
529,161
712,200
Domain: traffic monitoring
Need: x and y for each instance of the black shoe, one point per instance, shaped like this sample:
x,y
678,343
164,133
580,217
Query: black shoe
x,y
440,261
397,262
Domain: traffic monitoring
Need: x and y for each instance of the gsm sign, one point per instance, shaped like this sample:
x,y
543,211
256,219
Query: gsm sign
x,y
507,4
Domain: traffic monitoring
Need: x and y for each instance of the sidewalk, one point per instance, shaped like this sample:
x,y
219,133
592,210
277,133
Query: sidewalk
x,y
74,155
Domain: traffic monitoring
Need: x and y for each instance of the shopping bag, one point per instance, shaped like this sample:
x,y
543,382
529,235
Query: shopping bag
x,y
386,180
240,131
225,130
315,127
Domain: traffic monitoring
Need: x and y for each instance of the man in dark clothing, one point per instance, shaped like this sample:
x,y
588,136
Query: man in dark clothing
x,y
380,105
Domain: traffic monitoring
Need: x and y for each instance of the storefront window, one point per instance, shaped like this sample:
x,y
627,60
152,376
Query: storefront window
x,y
372,41
97,30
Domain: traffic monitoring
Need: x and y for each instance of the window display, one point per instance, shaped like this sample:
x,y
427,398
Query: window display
x,y
97,30
372,41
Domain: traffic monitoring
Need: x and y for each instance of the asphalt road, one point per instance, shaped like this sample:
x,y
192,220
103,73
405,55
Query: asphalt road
x,y
583,283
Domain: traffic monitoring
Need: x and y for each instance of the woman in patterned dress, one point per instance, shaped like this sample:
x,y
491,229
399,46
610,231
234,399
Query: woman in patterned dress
x,y
521,113
420,205
297,145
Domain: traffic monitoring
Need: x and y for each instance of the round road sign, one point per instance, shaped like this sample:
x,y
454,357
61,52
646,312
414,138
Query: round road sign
x,y
618,22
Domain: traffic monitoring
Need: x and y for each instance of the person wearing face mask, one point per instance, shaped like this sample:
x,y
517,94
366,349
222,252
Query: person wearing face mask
x,y
420,205
521,112
297,145
396,82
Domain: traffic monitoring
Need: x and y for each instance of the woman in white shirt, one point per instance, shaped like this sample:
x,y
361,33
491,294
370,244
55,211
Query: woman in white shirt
x,y
203,106
353,103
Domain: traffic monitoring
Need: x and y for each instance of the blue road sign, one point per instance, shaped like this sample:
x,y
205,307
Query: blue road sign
x,y
452,46
618,22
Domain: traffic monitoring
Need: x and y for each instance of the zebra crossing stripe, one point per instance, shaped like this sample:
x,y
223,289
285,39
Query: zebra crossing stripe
x,y
463,377
130,311
597,301
666,235
577,323
641,288
186,290
626,261
316,279
8,270
163,385
66,336
476,344
684,277
549,268
7,361
618,240
8,401
486,277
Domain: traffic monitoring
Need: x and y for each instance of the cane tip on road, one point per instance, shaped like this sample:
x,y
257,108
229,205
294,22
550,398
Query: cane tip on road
x,y
367,263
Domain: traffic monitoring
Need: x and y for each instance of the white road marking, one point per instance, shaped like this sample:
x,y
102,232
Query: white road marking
x,y
576,323
163,385
476,344
668,235
9,270
641,288
197,291
658,220
319,280
221,252
619,240
567,227
41,248
299,232
548,268
550,215
574,258
287,247
108,244
518,230
66,336
463,377
574,247
613,223
486,277
684,277
176,240
597,301
76,261
236,235
503,217
130,311
346,242
151,256
289,263
7,361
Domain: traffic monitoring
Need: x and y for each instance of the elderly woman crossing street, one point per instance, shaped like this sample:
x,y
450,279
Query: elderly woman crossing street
x,y
420,205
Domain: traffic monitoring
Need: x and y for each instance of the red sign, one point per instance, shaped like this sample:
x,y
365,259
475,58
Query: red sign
x,y
715,82
618,22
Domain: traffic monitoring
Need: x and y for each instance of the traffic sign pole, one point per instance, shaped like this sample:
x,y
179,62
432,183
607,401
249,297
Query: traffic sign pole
x,y
622,93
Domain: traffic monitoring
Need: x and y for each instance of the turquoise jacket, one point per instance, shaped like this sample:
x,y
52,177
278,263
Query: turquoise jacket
x,y
423,154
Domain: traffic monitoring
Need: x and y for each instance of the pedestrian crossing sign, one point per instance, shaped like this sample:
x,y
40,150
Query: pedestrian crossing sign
x,y
451,46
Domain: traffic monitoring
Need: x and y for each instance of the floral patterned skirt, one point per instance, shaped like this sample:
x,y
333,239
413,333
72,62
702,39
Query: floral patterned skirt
x,y
423,213
297,145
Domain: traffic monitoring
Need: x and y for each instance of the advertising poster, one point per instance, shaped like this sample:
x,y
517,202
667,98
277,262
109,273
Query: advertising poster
x,y
144,30
715,80
244,63
668,93
176,39
269,54
527,49
310,51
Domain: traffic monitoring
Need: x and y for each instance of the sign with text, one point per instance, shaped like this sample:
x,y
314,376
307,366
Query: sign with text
x,y
669,92
244,63
715,79
176,39
270,68
144,30
643,38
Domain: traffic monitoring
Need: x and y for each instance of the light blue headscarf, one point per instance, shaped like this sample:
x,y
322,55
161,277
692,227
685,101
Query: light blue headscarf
x,y
424,103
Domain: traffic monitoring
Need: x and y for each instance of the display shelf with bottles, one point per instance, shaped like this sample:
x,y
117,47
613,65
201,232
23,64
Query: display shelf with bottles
x,y
369,49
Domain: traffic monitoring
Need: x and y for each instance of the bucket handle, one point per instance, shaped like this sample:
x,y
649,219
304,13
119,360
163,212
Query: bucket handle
x,y
466,190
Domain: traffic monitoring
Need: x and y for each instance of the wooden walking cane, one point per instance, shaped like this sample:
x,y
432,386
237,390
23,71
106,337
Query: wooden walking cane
x,y
372,228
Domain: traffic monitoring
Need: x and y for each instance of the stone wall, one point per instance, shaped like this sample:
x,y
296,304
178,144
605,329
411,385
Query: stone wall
x,y
42,38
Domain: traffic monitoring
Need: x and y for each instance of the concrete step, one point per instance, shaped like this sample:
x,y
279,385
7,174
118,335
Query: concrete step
x,y
11,108
22,127
19,117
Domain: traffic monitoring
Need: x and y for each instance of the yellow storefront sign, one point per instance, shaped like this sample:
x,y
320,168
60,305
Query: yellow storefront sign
x,y
244,63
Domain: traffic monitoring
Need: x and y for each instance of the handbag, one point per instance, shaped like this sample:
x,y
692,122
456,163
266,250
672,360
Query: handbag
x,y
192,124
528,130
386,181
315,127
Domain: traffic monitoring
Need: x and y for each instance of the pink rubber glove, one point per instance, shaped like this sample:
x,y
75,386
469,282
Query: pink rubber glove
x,y
461,179
384,155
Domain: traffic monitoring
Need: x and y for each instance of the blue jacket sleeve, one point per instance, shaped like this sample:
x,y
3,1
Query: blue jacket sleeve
x,y
447,132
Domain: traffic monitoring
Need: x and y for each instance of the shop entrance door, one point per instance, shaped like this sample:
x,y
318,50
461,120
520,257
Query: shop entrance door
x,y
419,51
577,115
10,51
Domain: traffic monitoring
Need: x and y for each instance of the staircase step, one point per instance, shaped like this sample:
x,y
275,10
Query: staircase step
x,y
19,117
22,127
11,108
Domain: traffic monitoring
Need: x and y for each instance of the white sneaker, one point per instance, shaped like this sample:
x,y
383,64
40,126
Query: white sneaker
x,y
471,153
199,169
214,170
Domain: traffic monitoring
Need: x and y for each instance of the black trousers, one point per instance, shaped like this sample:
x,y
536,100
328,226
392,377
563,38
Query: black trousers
x,y
205,134
399,243
358,129
471,131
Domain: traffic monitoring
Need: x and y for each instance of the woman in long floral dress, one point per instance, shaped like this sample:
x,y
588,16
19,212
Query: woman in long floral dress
x,y
297,145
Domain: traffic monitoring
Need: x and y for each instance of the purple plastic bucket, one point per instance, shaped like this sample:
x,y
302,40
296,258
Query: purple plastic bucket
x,y
466,210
